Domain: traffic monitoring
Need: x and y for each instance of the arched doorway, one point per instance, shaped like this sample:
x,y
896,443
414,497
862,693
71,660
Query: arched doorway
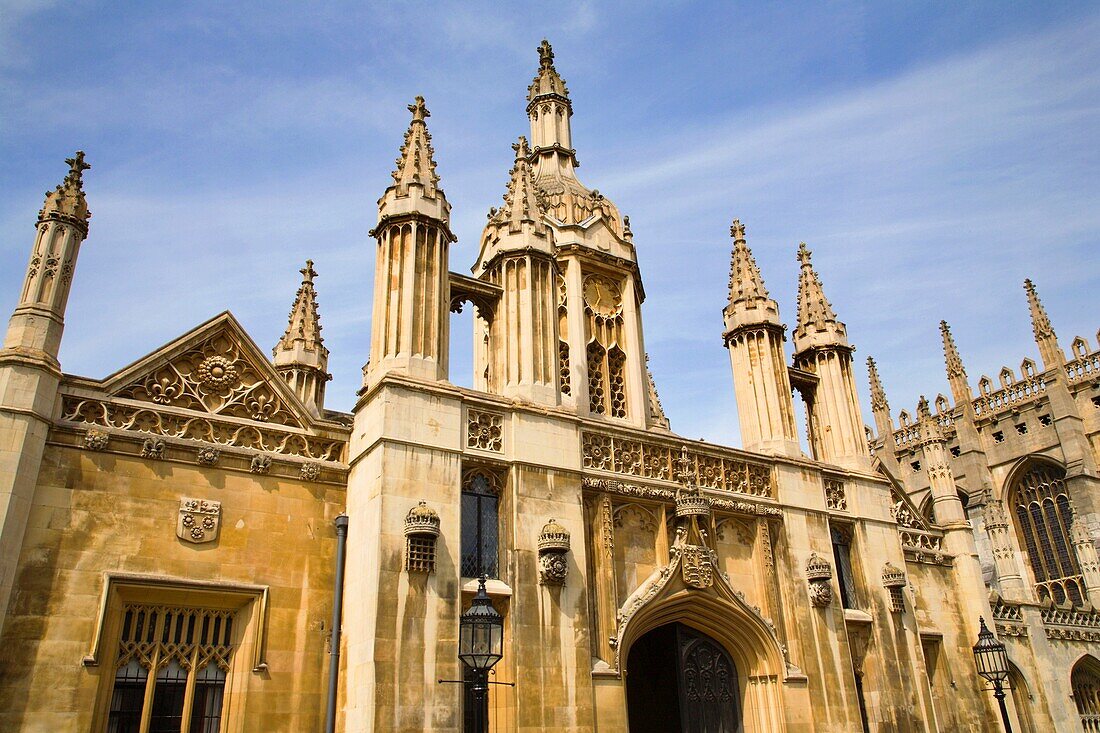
x,y
680,680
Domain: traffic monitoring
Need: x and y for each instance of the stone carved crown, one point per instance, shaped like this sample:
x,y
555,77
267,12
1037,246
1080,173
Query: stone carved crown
x,y
422,520
553,537
818,568
892,577
692,504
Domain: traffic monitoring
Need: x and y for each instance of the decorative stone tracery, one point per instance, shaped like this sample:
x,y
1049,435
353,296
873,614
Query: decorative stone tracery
x,y
484,430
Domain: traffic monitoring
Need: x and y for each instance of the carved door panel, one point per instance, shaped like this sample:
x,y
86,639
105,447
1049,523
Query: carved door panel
x,y
708,685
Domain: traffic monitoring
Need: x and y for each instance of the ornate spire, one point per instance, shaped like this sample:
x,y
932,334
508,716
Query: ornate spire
x,y
520,202
878,394
300,355
1040,322
1045,338
817,323
66,202
547,81
746,285
956,373
415,164
304,327
955,368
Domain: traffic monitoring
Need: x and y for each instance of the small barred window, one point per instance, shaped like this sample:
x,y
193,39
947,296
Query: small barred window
x,y
420,554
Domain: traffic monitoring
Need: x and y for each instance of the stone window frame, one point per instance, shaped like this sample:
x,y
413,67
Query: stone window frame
x,y
248,603
498,479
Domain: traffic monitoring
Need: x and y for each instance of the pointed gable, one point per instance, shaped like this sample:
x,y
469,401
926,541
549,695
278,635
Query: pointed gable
x,y
215,369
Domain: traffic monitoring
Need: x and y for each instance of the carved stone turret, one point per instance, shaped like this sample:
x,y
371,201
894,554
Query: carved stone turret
x,y
36,325
300,355
754,336
1045,338
821,347
29,368
517,254
409,329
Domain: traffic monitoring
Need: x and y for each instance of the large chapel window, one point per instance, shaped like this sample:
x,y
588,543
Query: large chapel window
x,y
480,524
1085,680
1044,522
170,671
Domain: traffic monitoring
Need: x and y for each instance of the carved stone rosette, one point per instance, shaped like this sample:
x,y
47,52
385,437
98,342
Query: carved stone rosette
x,y
199,520
553,547
820,574
309,472
95,440
208,456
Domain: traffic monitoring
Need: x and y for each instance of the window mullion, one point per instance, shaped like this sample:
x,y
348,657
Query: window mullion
x,y
150,684
189,690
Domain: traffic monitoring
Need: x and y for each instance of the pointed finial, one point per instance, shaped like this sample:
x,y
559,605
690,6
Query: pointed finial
x,y
77,166
804,255
746,284
546,55
67,200
924,412
521,148
878,394
737,231
416,164
419,110
308,273
304,323
817,323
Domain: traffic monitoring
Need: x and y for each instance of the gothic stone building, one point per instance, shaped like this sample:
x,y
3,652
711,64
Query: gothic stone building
x,y
168,541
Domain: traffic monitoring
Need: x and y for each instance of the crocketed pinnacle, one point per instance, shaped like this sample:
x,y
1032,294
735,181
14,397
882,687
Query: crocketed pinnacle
x,y
415,164
304,328
951,356
547,81
520,202
1040,322
746,285
817,323
66,202
878,394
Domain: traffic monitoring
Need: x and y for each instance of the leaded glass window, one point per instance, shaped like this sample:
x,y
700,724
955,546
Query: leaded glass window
x,y
842,557
1044,524
480,525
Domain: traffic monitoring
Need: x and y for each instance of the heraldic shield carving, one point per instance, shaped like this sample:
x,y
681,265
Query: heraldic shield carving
x,y
696,566
199,520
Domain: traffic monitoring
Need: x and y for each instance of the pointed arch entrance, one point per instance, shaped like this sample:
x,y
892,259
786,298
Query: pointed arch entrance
x,y
680,680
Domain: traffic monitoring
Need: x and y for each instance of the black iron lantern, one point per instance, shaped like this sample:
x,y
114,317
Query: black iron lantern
x,y
991,659
480,632
990,655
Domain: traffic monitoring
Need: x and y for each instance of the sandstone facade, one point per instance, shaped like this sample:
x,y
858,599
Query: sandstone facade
x,y
167,540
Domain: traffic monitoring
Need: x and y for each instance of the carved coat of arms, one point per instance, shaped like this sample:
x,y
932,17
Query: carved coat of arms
x,y
695,564
199,520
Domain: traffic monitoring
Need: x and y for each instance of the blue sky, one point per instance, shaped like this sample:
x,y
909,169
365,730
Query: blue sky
x,y
932,155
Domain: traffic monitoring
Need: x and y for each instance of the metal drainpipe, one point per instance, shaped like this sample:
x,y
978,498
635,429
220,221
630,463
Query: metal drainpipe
x,y
337,616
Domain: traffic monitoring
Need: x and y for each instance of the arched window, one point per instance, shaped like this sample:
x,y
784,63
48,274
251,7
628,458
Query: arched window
x,y
1044,520
1085,680
480,524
